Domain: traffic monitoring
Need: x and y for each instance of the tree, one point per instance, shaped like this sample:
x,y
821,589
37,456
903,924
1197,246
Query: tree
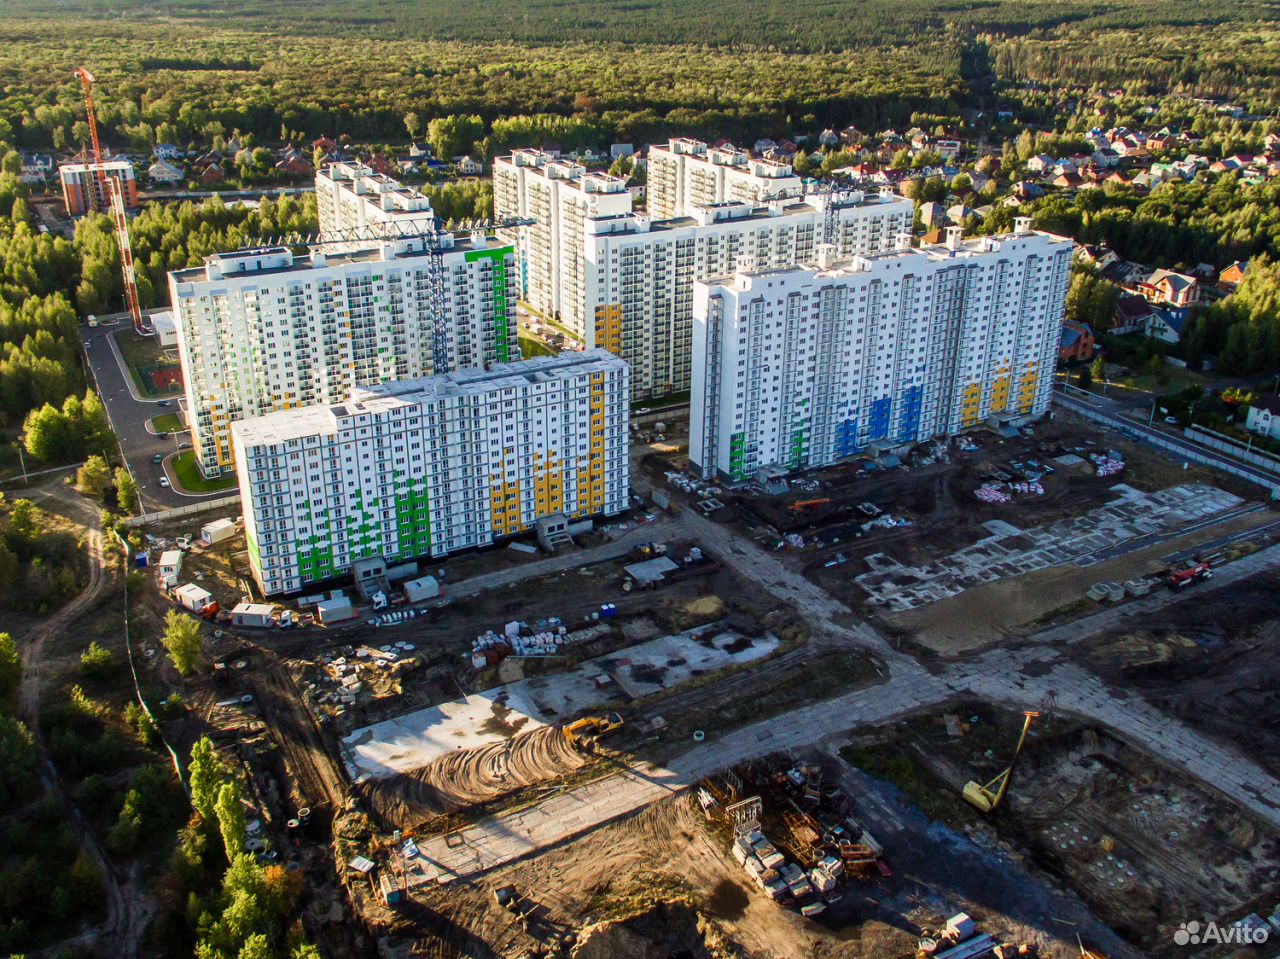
x,y
412,123
95,661
10,668
1085,379
205,775
231,820
22,518
182,641
1097,371
94,476
256,946
454,135
17,759
126,490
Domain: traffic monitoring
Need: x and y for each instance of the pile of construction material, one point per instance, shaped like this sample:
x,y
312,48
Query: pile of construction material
x,y
548,638
991,493
1106,464
784,881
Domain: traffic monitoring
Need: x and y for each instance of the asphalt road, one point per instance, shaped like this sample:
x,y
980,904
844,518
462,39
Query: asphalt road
x,y
1112,411
129,415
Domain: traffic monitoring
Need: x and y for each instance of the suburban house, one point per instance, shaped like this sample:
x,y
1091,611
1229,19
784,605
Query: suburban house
x,y
469,167
1173,289
1264,416
1131,315
162,171
1166,325
1231,276
166,151
1077,343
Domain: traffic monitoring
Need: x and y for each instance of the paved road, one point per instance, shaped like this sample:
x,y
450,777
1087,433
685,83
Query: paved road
x,y
1025,676
1111,410
129,414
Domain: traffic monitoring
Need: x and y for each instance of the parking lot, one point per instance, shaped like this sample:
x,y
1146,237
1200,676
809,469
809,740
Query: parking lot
x,y
129,413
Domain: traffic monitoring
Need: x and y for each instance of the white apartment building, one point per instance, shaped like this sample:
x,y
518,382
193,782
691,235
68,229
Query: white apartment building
x,y
263,330
686,174
639,273
801,367
559,196
430,466
350,196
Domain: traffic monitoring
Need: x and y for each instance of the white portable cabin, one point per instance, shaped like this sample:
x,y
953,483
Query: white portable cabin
x,y
170,566
218,530
335,610
192,597
252,614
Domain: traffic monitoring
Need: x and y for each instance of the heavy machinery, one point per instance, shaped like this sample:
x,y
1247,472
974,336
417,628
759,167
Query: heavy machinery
x,y
585,733
805,505
987,798
1191,573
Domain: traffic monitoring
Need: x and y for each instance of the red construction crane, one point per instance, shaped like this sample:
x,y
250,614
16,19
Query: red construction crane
x,y
108,190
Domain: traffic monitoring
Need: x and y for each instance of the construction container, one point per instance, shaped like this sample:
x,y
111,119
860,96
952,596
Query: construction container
x,y
192,598
170,566
217,531
822,880
812,909
252,614
335,610
424,587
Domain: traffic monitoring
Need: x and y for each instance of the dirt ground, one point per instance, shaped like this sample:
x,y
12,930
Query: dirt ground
x,y
1143,847
1213,663
1016,607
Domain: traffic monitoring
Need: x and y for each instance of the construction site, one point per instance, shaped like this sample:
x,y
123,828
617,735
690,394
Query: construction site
x,y
679,736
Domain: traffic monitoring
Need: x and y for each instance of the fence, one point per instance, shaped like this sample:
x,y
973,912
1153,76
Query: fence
x,y
1234,448
178,512
1178,448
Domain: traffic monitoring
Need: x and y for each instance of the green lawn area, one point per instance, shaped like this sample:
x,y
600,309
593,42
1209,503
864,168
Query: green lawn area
x,y
167,423
189,478
531,346
143,355
659,402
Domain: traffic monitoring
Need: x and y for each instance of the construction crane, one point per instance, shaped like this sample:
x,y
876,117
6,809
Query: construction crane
x,y
987,798
108,190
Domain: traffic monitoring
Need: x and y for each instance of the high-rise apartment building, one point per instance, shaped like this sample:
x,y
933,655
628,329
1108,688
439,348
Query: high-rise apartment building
x,y
801,367
263,330
351,197
637,292
687,174
430,466
83,190
559,197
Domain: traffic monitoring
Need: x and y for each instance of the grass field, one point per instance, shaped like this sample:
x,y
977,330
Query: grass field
x,y
189,478
167,423
531,346
144,353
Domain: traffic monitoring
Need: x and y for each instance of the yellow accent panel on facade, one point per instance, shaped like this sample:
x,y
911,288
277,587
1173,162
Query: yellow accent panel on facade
x,y
1000,394
609,327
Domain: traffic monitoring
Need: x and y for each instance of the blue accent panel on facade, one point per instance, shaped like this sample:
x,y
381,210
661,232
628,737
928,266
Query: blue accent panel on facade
x,y
846,438
909,413
878,421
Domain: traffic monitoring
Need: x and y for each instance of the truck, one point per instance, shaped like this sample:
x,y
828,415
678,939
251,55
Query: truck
x,y
1193,572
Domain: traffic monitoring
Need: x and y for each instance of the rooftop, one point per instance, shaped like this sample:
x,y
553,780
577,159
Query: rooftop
x,y
328,420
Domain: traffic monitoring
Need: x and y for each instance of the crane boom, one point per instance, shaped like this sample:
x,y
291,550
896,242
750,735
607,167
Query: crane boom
x,y
109,191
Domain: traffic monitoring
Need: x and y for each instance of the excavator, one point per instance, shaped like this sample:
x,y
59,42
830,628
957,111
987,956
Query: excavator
x,y
987,798
584,733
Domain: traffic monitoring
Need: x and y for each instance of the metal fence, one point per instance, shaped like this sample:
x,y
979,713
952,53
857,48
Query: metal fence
x,y
178,512
1180,449
1233,447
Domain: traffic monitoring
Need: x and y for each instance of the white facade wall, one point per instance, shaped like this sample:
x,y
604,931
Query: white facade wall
x,y
432,466
261,330
639,274
687,174
559,196
350,196
803,367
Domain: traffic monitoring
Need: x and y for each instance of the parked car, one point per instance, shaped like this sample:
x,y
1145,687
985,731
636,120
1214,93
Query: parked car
x,y
88,343
164,482
1171,420
165,403
158,459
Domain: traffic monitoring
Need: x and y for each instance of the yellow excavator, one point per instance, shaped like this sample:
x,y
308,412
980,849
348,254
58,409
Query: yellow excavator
x,y
584,733
987,798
